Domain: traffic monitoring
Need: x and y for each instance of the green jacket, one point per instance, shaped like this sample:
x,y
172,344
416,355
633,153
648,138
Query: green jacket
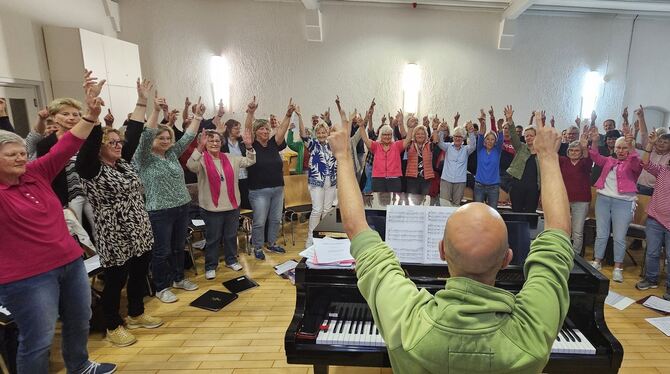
x,y
298,147
468,327
518,164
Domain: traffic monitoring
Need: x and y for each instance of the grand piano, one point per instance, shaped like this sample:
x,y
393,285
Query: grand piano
x,y
332,324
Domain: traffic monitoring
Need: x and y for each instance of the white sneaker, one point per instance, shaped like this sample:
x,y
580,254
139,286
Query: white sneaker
x,y
236,266
185,284
166,296
596,265
210,274
617,275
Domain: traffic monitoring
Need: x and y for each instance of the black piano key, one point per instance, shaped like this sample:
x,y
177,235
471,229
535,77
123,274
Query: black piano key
x,y
577,336
565,336
357,321
344,318
571,334
558,337
337,319
372,322
354,314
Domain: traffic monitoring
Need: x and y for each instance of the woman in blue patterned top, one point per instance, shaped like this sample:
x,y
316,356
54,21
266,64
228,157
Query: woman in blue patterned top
x,y
167,199
322,174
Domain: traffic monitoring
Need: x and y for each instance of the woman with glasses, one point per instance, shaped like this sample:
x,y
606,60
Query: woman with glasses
x,y
219,196
167,199
454,170
42,274
124,231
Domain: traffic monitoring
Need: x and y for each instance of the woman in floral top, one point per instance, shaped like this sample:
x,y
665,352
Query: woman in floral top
x,y
322,174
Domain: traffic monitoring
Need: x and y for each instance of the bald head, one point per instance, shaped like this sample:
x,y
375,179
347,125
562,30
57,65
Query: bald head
x,y
475,243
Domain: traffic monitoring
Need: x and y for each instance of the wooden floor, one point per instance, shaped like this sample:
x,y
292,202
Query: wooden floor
x,y
248,335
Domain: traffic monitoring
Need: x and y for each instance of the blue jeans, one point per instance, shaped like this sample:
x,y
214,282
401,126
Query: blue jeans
x,y
620,213
170,227
267,204
657,235
487,193
36,303
220,225
368,178
578,212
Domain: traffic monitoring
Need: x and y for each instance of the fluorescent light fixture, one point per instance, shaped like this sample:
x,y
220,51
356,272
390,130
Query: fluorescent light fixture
x,y
590,91
220,75
411,82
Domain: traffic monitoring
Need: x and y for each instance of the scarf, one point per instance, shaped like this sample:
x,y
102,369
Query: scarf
x,y
215,179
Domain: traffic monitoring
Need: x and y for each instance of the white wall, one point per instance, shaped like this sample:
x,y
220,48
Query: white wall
x,y
22,53
365,49
649,72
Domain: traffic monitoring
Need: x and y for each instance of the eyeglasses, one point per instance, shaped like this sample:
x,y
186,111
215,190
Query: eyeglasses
x,y
114,143
215,141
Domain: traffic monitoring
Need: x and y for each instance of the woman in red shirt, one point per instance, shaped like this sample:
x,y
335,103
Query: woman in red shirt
x,y
576,170
42,275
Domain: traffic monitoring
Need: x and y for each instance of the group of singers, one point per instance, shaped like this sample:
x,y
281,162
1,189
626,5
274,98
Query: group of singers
x,y
129,185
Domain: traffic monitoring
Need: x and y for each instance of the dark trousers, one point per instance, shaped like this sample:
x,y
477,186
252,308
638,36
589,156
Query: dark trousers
x,y
135,271
418,185
220,225
524,196
243,185
170,227
386,185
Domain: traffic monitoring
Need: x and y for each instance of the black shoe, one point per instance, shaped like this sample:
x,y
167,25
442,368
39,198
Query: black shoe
x,y
276,249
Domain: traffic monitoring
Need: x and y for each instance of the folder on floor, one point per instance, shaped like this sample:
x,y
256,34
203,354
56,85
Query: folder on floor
x,y
214,300
240,284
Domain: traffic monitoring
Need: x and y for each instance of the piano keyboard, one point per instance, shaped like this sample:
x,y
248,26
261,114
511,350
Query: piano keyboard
x,y
352,324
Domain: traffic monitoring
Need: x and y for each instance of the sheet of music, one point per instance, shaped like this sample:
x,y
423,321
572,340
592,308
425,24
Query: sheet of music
x,y
414,232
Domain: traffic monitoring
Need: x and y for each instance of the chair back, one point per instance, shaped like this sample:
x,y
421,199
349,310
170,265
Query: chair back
x,y
296,191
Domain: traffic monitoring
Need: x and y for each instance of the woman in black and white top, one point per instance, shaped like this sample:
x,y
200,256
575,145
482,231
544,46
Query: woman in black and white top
x,y
122,223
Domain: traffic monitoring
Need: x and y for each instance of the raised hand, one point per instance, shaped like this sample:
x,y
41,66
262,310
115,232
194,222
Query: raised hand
x,y
172,117
43,114
653,136
457,116
639,112
326,115
337,102
221,111
94,105
199,109
91,84
624,115
187,103
159,103
491,112
383,119
578,121
297,111
595,136
252,106
338,140
584,137
247,139
482,114
552,121
291,108
509,113
594,116
109,118
547,139
144,87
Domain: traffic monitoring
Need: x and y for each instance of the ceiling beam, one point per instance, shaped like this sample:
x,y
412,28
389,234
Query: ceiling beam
x,y
516,8
311,4
640,6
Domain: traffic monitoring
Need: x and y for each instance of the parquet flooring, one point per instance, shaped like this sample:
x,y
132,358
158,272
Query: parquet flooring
x,y
248,335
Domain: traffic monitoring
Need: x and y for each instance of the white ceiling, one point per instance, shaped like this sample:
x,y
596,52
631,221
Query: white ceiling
x,y
516,7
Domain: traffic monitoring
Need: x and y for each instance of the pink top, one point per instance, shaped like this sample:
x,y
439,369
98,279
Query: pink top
x,y
35,238
627,171
659,206
387,163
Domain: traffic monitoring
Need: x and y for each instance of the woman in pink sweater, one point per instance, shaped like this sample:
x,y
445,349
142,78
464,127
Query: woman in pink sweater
x,y
616,198
42,275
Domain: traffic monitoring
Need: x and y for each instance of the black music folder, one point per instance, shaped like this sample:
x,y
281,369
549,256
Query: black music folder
x,y
239,284
214,300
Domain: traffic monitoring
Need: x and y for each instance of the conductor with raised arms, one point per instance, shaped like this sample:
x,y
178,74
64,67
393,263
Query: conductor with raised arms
x,y
469,326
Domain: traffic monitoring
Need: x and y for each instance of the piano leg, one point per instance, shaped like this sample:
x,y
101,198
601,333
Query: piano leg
x,y
320,369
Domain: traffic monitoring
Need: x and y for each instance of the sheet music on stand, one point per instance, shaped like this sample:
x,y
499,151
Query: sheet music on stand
x,y
414,232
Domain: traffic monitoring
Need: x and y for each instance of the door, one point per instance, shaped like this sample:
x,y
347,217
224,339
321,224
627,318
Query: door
x,y
21,107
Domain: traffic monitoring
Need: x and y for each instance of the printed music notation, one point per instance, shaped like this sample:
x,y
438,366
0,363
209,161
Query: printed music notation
x,y
414,232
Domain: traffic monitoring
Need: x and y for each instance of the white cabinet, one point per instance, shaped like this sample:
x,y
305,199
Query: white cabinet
x,y
71,50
